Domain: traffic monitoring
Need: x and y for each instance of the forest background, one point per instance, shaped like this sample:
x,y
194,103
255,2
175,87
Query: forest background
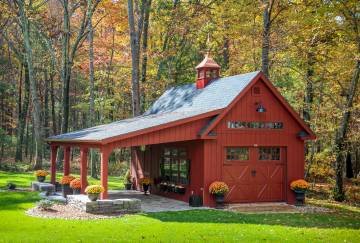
x,y
72,64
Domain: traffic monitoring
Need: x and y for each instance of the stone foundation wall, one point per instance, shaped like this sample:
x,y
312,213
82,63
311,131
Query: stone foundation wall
x,y
115,206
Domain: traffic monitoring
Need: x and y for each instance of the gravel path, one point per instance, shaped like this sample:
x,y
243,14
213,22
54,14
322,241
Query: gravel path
x,y
61,211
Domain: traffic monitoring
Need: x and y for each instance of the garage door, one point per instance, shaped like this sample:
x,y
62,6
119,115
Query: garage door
x,y
255,174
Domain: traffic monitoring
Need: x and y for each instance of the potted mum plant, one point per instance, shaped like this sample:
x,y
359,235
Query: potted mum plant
x,y
94,191
128,180
145,182
299,187
218,189
41,175
65,185
75,185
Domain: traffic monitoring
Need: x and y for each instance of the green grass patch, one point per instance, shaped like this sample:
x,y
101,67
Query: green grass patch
x,y
188,226
25,179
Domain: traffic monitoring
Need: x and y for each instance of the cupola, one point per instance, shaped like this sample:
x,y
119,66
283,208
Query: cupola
x,y
207,70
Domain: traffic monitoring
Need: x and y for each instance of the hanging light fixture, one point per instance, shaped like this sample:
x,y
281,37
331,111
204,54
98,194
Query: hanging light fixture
x,y
260,109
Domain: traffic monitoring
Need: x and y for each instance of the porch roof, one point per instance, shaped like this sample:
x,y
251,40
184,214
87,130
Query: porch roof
x,y
175,104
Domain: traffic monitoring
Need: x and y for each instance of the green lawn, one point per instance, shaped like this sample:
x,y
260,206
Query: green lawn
x,y
186,226
189,226
25,179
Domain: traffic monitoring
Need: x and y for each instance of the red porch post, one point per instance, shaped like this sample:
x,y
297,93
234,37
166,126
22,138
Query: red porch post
x,y
66,160
83,168
53,163
105,152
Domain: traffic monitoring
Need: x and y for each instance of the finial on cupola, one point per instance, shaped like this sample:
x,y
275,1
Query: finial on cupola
x,y
207,70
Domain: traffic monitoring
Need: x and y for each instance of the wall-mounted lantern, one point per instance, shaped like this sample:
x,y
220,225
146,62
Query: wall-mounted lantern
x,y
260,109
142,148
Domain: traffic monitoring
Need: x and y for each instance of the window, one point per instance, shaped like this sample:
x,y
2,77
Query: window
x,y
208,74
269,153
201,74
214,74
174,166
257,125
237,153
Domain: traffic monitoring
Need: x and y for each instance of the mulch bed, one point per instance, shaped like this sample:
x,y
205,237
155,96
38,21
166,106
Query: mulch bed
x,y
63,211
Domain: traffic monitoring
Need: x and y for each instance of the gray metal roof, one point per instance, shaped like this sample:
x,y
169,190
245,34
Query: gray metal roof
x,y
175,104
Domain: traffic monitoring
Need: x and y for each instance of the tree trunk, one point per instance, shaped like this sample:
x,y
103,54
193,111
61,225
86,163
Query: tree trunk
x,y
66,67
33,86
46,105
135,35
309,91
266,38
20,132
91,77
349,167
226,55
52,98
339,194
144,49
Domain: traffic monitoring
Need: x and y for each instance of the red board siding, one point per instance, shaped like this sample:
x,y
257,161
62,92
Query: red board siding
x,y
184,132
245,110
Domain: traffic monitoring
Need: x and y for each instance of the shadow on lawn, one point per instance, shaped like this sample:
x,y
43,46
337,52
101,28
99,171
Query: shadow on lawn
x,y
333,220
14,200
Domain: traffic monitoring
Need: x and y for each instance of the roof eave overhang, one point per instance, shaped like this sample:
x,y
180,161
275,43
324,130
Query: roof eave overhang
x,y
97,143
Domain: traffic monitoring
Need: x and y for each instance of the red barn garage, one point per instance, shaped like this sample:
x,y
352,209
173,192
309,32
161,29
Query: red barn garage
x,y
236,129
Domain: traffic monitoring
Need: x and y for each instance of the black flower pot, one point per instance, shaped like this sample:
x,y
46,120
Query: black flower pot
x,y
145,188
76,191
41,178
66,190
180,190
128,186
219,199
171,188
195,201
300,198
163,187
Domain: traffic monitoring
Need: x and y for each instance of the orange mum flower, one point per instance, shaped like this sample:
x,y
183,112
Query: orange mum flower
x,y
218,187
299,185
75,184
65,180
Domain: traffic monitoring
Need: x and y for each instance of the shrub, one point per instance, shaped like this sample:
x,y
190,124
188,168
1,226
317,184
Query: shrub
x,y
299,185
41,173
218,187
75,184
353,193
356,181
45,204
94,189
65,180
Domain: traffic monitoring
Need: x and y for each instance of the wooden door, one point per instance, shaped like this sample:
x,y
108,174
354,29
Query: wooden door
x,y
259,179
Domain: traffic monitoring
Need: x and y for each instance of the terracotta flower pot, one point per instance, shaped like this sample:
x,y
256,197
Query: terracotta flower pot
x,y
41,178
300,198
93,196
